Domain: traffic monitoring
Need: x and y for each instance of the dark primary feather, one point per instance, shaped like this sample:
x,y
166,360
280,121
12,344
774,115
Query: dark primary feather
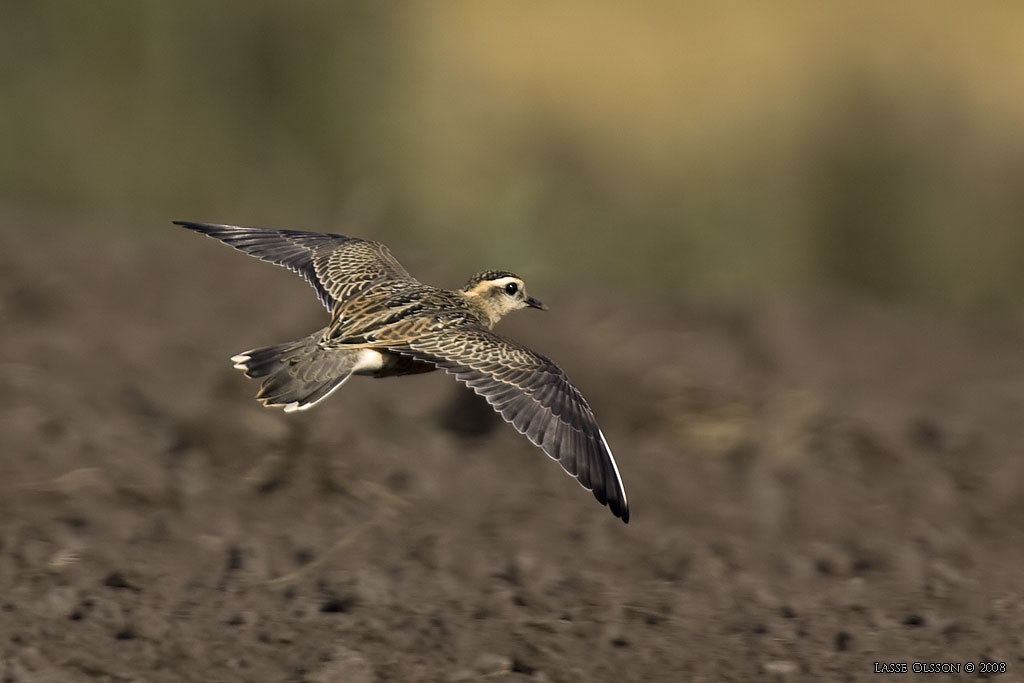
x,y
335,265
535,396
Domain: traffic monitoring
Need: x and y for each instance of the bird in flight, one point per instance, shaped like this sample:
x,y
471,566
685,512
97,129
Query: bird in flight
x,y
386,323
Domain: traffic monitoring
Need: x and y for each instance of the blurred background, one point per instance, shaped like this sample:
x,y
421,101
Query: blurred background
x,y
870,146
784,251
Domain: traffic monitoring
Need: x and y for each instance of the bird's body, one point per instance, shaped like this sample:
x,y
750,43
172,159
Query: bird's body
x,y
385,323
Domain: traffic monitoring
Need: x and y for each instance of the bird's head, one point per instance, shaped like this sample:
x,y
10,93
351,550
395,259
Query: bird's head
x,y
499,292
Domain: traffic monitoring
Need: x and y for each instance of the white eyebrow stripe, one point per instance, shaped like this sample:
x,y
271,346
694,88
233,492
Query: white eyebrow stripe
x,y
485,286
501,282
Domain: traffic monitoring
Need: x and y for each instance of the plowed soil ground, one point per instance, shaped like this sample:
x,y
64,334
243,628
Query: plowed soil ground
x,y
815,486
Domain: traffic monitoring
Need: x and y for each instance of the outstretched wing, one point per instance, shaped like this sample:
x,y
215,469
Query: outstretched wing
x,y
533,394
335,265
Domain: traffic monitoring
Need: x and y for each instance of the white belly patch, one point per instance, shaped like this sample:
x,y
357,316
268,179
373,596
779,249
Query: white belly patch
x,y
368,362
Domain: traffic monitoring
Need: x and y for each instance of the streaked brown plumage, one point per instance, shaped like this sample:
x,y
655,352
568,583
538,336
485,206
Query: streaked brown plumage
x,y
386,323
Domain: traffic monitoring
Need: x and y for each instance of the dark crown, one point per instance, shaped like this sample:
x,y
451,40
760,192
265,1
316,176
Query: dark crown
x,y
487,275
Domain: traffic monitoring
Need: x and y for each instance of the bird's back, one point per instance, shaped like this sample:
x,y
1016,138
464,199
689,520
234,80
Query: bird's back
x,y
396,311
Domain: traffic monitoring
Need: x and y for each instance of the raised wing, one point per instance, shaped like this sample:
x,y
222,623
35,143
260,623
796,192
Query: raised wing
x,y
536,397
336,266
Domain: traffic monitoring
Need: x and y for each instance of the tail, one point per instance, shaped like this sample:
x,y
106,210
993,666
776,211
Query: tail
x,y
298,374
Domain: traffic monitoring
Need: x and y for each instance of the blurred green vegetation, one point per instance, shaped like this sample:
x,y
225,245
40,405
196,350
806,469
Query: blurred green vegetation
x,y
874,146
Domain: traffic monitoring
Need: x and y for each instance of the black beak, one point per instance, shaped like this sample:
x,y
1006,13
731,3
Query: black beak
x,y
533,303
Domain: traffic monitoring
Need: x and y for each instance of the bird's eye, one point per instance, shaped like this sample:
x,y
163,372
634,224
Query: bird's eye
x,y
511,288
